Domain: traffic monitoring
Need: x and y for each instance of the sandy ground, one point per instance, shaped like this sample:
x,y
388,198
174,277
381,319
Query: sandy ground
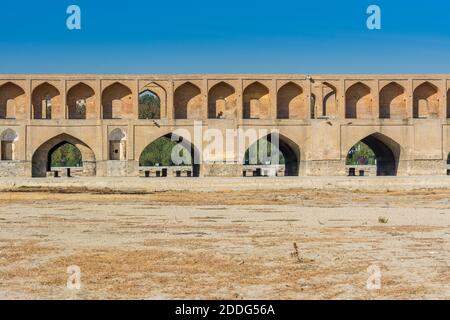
x,y
261,243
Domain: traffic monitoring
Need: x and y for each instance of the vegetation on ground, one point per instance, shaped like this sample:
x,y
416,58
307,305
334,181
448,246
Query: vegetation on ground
x,y
361,154
67,155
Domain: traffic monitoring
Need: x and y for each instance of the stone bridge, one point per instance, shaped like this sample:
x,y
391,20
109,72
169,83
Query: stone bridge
x,y
404,119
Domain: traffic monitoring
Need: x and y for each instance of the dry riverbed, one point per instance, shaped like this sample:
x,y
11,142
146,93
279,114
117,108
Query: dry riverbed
x,y
244,244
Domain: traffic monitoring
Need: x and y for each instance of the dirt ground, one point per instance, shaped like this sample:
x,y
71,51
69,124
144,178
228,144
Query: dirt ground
x,y
245,244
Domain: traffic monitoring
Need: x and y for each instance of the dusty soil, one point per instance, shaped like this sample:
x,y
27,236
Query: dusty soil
x,y
245,244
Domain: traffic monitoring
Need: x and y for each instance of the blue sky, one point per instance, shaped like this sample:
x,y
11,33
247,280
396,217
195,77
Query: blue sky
x,y
246,36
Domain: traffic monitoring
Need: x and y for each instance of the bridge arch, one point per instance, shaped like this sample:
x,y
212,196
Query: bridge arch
x,y
158,154
392,102
386,153
116,101
8,148
291,102
358,102
329,101
45,101
221,101
149,105
12,97
288,150
256,101
426,101
41,160
188,102
80,101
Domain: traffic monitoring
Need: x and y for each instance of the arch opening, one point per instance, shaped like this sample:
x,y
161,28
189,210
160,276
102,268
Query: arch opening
x,y
358,102
80,101
63,155
392,102
291,102
375,155
256,103
117,145
221,101
329,102
8,145
116,101
12,97
149,105
272,155
169,155
46,101
426,101
188,102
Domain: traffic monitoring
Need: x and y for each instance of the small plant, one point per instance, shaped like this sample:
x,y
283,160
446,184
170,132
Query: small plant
x,y
295,253
383,220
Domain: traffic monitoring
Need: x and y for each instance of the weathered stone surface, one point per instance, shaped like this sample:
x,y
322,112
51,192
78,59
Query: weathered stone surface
x,y
405,118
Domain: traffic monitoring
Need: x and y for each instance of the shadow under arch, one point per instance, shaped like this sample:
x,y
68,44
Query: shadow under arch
x,y
387,153
164,144
41,160
288,148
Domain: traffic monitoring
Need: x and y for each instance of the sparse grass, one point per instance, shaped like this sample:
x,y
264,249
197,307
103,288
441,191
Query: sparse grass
x,y
383,220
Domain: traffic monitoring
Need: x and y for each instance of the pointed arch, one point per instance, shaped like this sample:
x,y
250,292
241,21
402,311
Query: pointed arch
x,y
188,102
46,101
392,102
80,101
41,160
12,98
256,101
358,102
116,101
149,105
329,101
426,101
283,155
9,135
291,102
8,148
117,144
221,101
158,155
386,152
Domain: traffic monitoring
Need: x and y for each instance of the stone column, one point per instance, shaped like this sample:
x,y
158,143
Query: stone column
x,y
319,101
170,103
273,99
239,102
135,94
64,111
29,100
308,93
443,97
409,99
340,95
376,99
98,99
204,93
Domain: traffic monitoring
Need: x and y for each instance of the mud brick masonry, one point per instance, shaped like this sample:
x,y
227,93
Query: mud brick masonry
x,y
403,118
